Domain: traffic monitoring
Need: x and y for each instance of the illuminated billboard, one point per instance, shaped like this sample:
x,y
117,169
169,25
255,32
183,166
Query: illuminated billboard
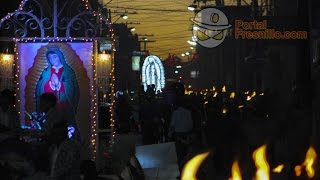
x,y
135,63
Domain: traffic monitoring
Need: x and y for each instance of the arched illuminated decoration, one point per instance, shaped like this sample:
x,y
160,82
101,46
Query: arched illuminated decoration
x,y
153,73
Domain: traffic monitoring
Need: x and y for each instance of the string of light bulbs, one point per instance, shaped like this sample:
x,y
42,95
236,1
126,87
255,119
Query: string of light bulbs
x,y
93,110
112,86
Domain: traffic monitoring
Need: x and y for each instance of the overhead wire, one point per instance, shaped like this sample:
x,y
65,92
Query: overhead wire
x,y
157,17
157,10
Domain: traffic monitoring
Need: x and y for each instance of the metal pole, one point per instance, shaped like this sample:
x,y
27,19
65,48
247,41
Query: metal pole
x,y
55,18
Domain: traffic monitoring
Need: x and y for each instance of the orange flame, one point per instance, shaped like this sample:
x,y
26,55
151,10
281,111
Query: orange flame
x,y
224,111
278,169
235,172
263,169
253,94
213,88
298,170
232,95
224,89
308,163
240,106
190,169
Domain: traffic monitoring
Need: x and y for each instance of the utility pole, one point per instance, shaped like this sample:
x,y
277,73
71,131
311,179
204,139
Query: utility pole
x,y
238,2
145,40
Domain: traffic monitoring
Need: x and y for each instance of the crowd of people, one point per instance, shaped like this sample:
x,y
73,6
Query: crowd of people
x,y
229,124
48,149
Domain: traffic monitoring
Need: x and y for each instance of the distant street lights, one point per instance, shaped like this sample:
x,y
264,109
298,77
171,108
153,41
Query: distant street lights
x,y
132,29
124,16
192,7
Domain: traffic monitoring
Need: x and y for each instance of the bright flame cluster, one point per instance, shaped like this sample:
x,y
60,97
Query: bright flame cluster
x,y
308,163
263,169
235,172
190,169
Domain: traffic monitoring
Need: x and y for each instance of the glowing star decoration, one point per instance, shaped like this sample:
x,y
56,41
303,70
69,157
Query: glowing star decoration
x,y
308,163
235,172
153,73
190,169
263,169
210,27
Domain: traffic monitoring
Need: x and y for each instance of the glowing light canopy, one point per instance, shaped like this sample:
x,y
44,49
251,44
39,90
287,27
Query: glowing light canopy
x,y
153,73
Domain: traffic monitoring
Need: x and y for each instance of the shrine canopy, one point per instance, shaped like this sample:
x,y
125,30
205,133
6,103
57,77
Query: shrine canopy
x,y
43,20
72,30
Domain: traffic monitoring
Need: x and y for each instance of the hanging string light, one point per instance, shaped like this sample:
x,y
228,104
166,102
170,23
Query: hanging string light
x,y
94,104
112,86
16,77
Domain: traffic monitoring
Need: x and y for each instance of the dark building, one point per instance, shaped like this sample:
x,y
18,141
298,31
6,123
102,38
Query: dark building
x,y
258,64
315,67
126,44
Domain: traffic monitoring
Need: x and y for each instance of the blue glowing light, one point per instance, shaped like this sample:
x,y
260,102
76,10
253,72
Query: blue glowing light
x,y
71,131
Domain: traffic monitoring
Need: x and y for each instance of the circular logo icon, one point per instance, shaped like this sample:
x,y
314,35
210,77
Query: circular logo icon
x,y
210,27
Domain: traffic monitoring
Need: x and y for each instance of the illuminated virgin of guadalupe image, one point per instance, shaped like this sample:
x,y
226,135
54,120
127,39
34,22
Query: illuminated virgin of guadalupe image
x,y
60,79
153,74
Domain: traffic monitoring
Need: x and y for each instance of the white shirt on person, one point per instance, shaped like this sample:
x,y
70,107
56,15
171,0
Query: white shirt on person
x,y
181,120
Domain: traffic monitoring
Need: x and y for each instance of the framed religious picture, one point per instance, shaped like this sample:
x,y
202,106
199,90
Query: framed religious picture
x,y
64,69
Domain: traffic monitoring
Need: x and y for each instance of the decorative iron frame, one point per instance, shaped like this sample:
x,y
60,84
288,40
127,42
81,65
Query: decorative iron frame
x,y
39,19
